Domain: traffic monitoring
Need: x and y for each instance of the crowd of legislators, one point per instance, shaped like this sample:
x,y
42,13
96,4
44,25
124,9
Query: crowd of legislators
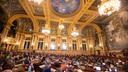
x,y
42,62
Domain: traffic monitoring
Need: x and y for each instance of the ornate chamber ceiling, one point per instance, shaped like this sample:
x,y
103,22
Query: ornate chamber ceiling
x,y
79,13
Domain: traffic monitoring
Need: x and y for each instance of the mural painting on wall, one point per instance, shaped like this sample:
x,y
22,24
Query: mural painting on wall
x,y
117,33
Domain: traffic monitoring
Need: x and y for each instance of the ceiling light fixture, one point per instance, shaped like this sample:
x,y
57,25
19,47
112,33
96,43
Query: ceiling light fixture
x,y
75,32
61,26
107,7
46,30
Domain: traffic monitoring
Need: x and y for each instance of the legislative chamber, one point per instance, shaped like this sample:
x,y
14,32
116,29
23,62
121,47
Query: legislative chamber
x,y
63,35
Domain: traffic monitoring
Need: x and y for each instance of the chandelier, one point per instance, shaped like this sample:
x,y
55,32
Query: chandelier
x,y
36,1
46,30
75,32
61,26
107,7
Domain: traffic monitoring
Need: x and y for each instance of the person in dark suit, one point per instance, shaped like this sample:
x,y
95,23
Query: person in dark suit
x,y
7,66
126,66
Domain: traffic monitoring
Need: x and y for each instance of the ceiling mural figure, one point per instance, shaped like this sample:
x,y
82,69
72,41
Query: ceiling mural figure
x,y
65,6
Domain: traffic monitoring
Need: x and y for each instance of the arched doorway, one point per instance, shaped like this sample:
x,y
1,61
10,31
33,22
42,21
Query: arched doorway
x,y
93,40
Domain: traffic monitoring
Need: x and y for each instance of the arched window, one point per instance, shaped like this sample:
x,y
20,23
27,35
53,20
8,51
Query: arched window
x,y
53,44
64,45
74,45
27,43
83,45
40,44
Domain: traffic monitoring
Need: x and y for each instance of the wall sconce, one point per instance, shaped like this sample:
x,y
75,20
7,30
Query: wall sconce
x,y
81,45
58,45
75,32
32,44
100,44
90,46
70,45
46,44
17,43
5,40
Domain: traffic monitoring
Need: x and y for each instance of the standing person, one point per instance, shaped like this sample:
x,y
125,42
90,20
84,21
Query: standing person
x,y
30,68
126,66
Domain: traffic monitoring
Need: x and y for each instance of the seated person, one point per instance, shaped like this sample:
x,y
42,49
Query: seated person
x,y
7,66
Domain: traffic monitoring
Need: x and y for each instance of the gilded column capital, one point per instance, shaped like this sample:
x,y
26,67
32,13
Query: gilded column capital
x,y
100,33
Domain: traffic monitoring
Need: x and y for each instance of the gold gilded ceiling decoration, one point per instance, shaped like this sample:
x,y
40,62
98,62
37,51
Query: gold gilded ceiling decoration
x,y
41,14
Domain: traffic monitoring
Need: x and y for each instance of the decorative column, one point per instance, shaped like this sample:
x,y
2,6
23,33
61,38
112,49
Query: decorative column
x,y
21,42
69,40
79,43
58,42
90,45
17,40
7,47
34,42
47,42
87,42
13,47
10,47
5,32
0,40
101,41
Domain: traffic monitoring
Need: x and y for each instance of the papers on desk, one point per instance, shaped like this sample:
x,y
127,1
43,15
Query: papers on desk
x,y
42,66
98,68
53,70
79,70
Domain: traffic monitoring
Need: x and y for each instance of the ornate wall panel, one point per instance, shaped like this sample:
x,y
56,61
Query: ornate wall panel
x,y
117,33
